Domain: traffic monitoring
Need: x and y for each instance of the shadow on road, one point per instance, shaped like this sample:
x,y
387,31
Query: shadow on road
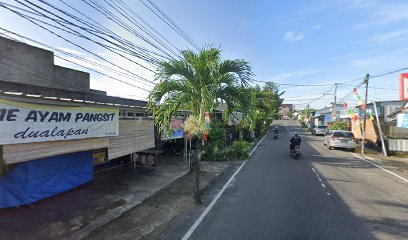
x,y
364,192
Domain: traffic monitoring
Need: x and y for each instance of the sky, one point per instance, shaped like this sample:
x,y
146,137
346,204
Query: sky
x,y
299,42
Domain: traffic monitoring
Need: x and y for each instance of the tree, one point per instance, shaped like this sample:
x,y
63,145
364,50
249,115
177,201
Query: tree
x,y
265,103
197,82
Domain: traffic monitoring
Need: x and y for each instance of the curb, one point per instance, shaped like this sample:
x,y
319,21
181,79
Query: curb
x,y
115,214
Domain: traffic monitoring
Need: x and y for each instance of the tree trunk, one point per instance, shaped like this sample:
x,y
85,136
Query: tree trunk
x,y
197,197
241,134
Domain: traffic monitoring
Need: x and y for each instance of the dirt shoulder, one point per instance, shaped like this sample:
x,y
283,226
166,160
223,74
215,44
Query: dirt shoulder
x,y
150,219
398,164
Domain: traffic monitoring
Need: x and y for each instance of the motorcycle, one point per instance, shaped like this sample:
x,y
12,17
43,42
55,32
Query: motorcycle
x,y
275,136
295,153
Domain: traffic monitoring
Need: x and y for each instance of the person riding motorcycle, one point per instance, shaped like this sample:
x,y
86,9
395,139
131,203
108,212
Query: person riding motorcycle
x,y
275,130
295,141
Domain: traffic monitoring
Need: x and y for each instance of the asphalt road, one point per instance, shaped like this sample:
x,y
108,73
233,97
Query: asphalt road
x,y
327,194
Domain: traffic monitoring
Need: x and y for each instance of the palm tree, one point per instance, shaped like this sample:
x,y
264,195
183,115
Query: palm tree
x,y
197,82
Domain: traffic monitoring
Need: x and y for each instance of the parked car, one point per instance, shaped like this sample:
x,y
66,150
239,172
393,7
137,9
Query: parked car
x,y
339,139
319,130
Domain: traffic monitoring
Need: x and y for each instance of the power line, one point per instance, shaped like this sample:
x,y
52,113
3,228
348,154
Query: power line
x,y
56,49
297,85
121,23
171,24
122,12
146,23
69,41
74,32
105,31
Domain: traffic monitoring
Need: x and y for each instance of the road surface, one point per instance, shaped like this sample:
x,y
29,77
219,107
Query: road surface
x,y
327,194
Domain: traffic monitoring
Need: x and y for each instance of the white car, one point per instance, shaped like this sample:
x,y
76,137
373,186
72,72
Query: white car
x,y
339,139
319,130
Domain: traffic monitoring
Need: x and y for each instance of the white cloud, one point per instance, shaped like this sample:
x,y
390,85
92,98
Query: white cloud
x,y
326,5
316,27
398,35
388,60
292,36
285,76
385,14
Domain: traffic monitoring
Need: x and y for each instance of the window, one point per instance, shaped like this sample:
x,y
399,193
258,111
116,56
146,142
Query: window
x,y
343,134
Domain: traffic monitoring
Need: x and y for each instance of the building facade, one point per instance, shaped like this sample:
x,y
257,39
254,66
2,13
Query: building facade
x,y
54,128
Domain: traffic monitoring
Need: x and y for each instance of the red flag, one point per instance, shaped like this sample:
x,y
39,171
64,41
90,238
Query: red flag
x,y
355,91
345,105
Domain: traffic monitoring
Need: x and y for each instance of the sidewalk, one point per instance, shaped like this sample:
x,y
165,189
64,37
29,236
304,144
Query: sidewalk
x,y
76,213
150,219
393,163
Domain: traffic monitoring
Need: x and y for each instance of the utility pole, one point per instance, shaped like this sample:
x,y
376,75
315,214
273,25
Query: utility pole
x,y
365,113
335,100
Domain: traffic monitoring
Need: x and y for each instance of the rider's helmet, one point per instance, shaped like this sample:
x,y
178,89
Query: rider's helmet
x,y
296,134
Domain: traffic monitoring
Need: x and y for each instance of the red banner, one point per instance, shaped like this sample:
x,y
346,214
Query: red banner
x,y
404,86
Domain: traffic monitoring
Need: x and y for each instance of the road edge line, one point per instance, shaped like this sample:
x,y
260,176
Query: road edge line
x,y
210,206
250,154
378,166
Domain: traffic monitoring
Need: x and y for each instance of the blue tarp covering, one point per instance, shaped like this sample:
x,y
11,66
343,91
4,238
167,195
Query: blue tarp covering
x,y
38,179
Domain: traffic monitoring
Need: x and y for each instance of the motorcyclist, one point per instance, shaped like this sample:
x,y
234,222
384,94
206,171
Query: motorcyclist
x,y
275,130
295,141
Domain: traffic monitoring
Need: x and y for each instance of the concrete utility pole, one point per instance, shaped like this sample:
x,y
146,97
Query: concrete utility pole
x,y
335,100
365,113
379,130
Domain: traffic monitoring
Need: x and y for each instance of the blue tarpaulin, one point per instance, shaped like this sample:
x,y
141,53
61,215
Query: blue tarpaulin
x,y
38,179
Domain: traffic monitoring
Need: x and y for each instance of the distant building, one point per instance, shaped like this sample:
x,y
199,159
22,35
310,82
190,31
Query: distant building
x,y
285,109
324,117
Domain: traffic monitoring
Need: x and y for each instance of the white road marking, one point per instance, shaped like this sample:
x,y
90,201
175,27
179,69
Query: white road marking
x,y
321,181
211,205
290,133
250,154
378,166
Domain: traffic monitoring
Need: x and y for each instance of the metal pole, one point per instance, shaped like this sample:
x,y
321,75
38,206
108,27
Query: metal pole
x,y
185,149
365,113
379,130
335,101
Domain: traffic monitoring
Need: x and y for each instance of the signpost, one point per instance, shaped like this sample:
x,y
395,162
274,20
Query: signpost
x,y
27,123
404,86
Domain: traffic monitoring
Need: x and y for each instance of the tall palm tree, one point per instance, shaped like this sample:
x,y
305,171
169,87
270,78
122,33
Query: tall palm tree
x,y
197,82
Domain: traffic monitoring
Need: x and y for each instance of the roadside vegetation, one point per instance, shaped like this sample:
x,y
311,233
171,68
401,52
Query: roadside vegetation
x,y
200,82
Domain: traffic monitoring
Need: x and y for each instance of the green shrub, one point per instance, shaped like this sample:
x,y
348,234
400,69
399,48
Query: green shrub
x,y
237,151
339,125
240,149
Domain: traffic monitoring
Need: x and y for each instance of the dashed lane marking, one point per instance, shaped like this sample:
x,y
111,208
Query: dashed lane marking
x,y
321,181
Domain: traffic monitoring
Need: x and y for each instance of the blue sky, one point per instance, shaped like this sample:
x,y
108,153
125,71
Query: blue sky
x,y
290,42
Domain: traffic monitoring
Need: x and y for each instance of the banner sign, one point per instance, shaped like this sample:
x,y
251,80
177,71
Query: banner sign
x,y
402,120
404,86
26,123
177,130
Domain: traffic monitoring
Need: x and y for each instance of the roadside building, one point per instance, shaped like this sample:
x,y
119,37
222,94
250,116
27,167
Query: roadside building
x,y
54,128
285,110
324,116
392,117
